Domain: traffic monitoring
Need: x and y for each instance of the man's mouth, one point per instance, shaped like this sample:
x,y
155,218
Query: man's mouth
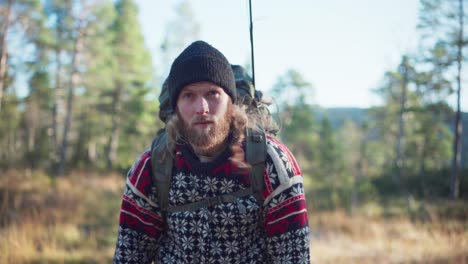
x,y
203,122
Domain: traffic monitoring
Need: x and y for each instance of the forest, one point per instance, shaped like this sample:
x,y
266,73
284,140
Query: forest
x,y
78,104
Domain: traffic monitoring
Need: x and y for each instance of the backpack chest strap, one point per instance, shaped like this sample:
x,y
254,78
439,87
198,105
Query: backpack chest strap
x,y
211,201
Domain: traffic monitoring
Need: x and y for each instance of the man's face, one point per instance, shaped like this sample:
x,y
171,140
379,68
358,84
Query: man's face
x,y
204,109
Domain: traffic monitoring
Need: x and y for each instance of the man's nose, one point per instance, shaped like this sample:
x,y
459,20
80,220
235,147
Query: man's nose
x,y
201,106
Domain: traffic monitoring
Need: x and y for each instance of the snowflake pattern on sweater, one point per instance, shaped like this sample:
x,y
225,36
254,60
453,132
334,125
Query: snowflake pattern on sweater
x,y
224,233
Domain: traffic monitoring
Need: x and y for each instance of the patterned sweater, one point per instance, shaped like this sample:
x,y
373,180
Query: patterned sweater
x,y
224,233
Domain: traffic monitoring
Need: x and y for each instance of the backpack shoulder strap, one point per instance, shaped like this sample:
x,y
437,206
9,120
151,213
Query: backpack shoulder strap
x,y
256,151
162,163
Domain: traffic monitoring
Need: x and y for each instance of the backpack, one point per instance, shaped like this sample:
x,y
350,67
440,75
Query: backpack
x,y
256,152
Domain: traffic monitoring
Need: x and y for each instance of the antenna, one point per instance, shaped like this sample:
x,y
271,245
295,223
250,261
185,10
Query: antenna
x,y
251,43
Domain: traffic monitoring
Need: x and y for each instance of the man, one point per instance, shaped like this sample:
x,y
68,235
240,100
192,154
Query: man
x,y
206,136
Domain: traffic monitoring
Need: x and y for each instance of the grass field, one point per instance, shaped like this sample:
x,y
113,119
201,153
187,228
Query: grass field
x,y
74,220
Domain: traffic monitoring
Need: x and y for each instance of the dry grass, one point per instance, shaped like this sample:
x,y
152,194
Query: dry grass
x,y
340,238
65,220
74,220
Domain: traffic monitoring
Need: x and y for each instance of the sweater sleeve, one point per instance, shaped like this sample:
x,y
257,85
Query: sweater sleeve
x,y
141,223
286,222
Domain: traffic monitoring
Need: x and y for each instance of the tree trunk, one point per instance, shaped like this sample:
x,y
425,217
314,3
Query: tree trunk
x,y
3,55
456,161
58,103
114,139
92,152
360,168
73,82
424,157
401,124
58,97
80,155
32,118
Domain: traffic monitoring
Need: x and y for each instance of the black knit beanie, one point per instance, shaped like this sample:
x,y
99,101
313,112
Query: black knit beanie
x,y
200,62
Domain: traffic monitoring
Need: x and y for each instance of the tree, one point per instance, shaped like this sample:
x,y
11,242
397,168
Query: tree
x,y
354,141
329,151
85,69
414,113
296,113
5,28
38,101
444,21
92,112
25,115
457,143
405,71
19,15
63,31
79,35
133,73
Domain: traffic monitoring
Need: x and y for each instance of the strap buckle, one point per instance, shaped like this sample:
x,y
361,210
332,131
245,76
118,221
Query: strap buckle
x,y
212,201
257,138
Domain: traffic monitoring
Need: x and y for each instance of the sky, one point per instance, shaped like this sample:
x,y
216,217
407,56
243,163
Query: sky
x,y
341,47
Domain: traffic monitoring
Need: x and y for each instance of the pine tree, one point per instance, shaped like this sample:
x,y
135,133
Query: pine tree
x,y
132,76
298,127
26,115
443,23
5,28
97,78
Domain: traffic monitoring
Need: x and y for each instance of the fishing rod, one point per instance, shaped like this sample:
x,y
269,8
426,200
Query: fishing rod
x,y
251,43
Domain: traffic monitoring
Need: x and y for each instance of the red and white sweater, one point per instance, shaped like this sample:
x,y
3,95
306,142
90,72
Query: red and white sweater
x,y
224,233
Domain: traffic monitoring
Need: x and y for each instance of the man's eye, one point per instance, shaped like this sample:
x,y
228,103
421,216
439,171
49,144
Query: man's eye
x,y
213,93
187,95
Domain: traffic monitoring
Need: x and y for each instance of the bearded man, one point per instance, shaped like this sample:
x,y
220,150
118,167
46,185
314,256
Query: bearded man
x,y
207,137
